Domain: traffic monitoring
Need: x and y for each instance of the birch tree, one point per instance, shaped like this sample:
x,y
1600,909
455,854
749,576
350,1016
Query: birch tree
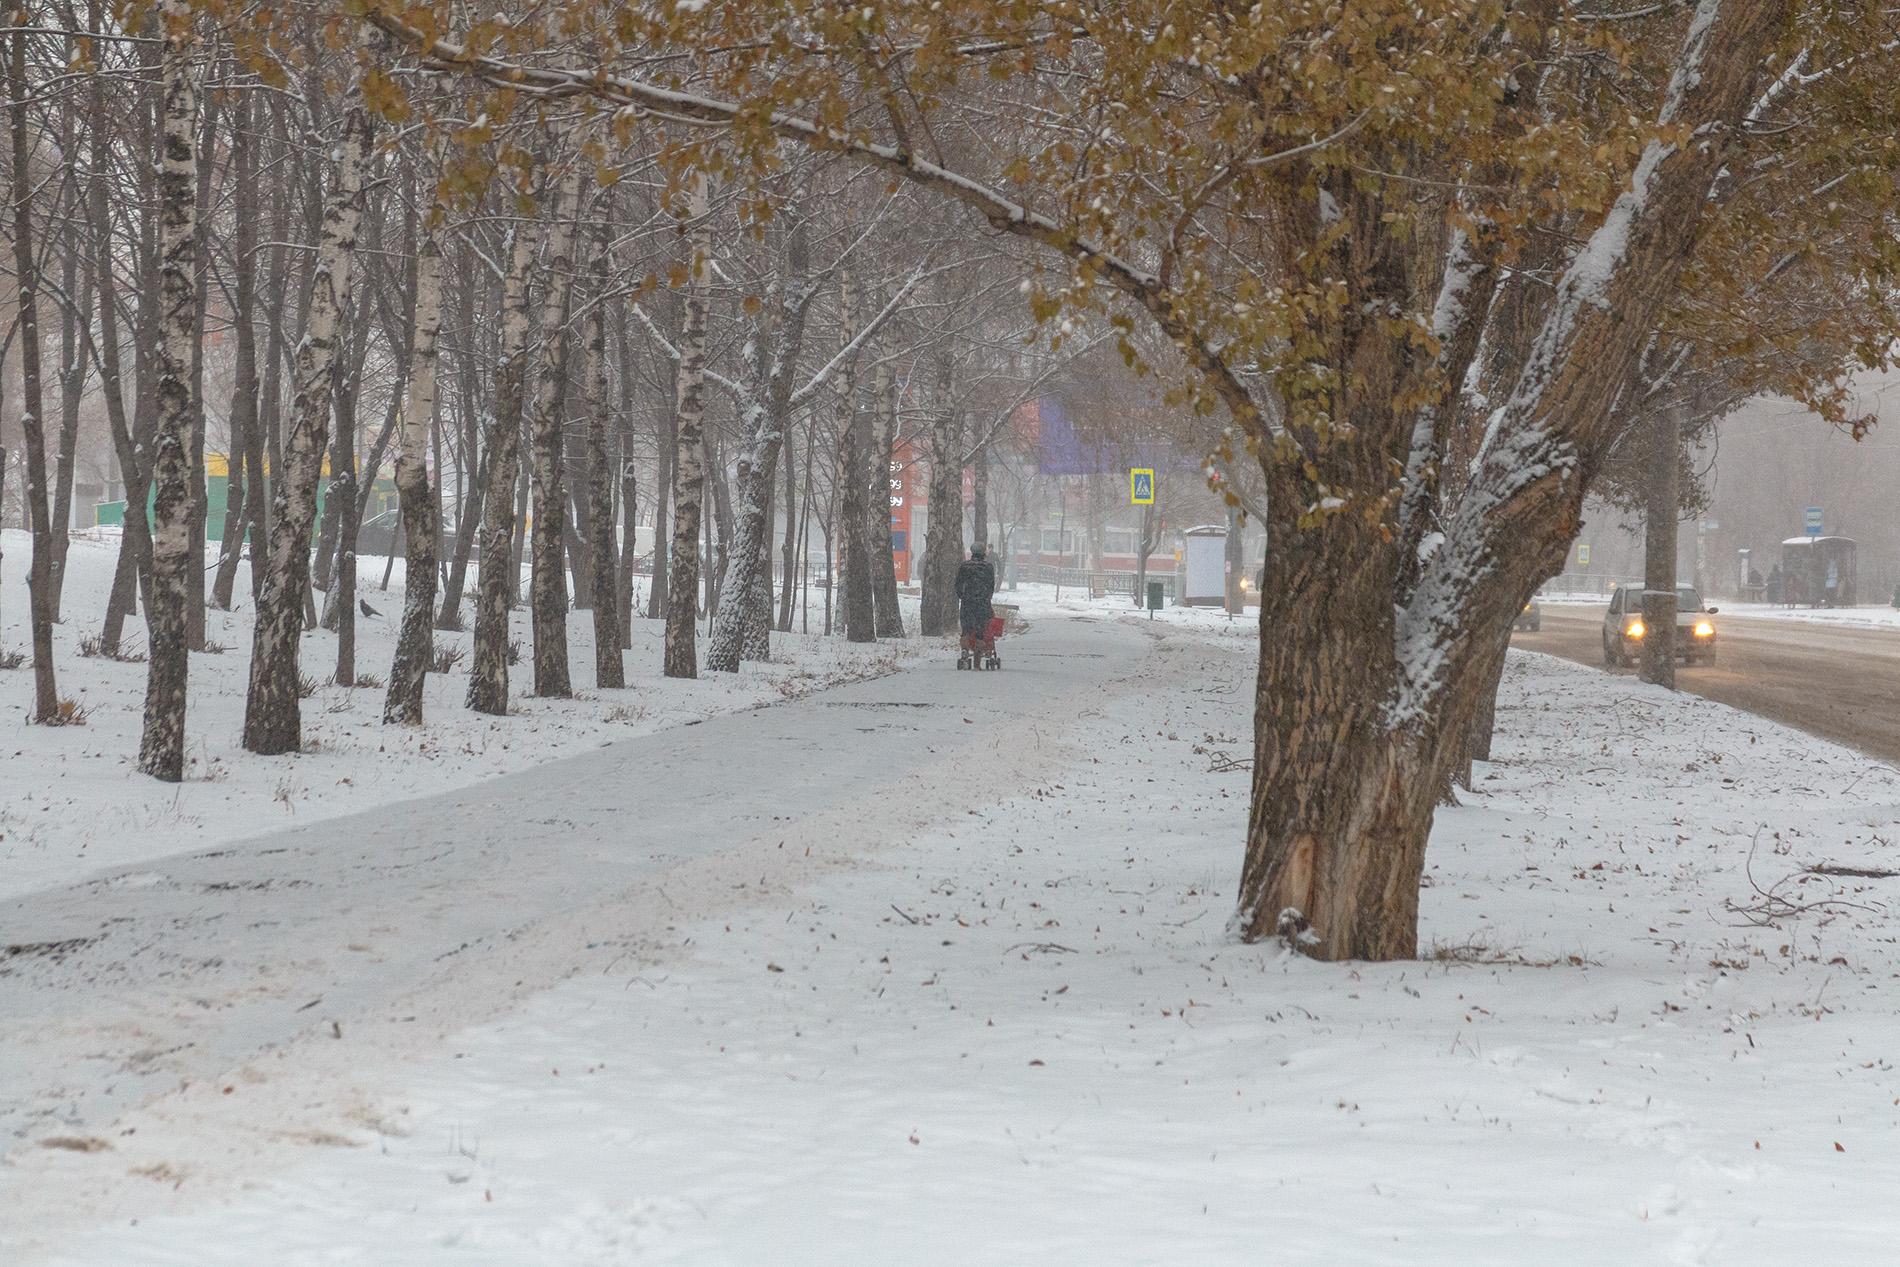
x,y
421,512
162,747
548,583
609,670
272,717
488,667
689,466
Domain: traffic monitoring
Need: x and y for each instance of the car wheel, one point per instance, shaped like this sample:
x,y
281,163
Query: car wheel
x,y
1537,626
1609,654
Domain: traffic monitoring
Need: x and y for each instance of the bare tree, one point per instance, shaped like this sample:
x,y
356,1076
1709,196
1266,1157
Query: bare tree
x,y
272,720
162,748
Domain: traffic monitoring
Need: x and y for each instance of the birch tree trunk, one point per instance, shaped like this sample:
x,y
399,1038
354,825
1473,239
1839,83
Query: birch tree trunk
x,y
858,607
162,745
32,424
689,466
488,669
889,617
421,517
609,671
272,719
548,585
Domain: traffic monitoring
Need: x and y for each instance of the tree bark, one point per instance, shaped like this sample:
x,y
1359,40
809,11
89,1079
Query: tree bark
x,y
609,670
1352,714
488,669
167,622
1662,511
548,596
421,513
689,469
889,616
272,718
32,427
857,606
943,549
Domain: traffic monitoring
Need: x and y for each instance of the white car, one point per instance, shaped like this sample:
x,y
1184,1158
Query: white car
x,y
1623,628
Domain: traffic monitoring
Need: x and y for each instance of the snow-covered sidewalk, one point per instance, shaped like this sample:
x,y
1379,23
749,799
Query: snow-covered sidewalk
x,y
74,801
1020,1033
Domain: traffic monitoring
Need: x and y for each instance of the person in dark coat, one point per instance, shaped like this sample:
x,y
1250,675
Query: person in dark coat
x,y
976,583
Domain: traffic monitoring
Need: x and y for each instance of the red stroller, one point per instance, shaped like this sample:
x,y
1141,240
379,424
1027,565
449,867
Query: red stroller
x,y
978,650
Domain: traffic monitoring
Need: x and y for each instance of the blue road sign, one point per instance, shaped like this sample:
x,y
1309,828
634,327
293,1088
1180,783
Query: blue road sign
x,y
1811,520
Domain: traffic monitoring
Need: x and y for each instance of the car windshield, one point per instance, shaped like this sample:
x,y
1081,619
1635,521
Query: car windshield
x,y
1687,600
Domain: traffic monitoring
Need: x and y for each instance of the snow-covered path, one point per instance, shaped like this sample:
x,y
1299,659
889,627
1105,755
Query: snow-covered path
x,y
375,934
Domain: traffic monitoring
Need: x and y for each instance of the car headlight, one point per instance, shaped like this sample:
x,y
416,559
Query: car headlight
x,y
1703,629
1635,629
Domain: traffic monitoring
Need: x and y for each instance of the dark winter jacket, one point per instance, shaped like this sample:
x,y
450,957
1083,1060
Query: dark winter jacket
x,y
976,582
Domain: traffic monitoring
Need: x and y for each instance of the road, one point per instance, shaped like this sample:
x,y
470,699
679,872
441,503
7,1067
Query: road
x,y
330,945
1839,683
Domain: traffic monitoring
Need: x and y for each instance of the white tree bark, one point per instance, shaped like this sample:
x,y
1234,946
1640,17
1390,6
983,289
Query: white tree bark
x,y
420,519
272,721
162,747
689,467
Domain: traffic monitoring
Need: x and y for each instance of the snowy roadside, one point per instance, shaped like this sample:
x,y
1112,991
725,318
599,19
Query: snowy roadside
x,y
74,803
1027,1037
1864,617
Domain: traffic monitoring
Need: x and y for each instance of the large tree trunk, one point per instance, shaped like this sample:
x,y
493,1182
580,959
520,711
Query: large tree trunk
x,y
742,630
162,745
32,424
1662,509
689,465
548,598
488,669
272,718
1357,693
889,616
609,670
421,513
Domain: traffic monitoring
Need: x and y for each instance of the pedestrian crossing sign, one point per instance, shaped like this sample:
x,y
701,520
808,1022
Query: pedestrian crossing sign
x,y
1141,487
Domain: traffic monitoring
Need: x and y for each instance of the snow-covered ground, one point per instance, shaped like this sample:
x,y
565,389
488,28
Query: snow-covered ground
x,y
1004,1022
73,799
1864,617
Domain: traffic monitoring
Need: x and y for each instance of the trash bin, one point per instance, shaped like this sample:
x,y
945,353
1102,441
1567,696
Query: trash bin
x,y
1156,595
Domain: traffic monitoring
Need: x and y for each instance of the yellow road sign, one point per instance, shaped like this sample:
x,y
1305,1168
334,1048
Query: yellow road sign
x,y
1141,487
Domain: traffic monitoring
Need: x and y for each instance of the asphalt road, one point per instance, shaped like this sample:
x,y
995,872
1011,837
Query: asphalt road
x,y
1840,684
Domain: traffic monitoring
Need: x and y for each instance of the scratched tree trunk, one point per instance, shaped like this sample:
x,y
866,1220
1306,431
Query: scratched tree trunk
x,y
689,462
272,719
32,419
162,745
421,516
548,584
488,668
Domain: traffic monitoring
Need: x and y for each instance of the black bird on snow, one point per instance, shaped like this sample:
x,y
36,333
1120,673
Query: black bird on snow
x,y
367,609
